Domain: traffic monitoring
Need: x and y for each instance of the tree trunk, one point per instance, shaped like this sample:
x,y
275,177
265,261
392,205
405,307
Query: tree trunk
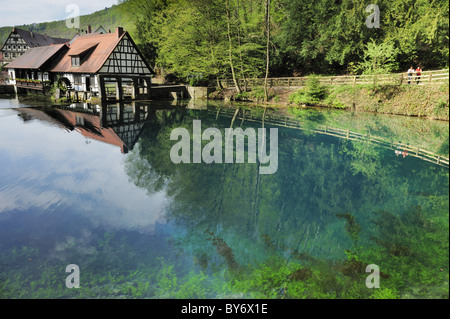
x,y
267,18
243,76
219,85
230,49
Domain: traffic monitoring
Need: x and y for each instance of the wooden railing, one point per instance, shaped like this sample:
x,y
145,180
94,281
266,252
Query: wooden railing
x,y
30,85
427,77
286,121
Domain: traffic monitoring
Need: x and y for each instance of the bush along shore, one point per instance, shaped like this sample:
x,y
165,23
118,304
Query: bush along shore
x,y
410,100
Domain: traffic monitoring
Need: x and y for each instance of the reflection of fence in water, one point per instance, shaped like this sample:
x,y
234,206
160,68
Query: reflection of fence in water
x,y
341,133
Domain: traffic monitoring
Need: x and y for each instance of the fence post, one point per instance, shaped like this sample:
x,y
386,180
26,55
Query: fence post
x,y
431,75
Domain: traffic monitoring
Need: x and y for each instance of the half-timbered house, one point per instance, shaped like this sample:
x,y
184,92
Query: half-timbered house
x,y
103,64
94,59
96,62
19,41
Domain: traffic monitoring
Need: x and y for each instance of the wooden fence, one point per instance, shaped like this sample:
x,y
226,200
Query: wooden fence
x,y
286,121
427,77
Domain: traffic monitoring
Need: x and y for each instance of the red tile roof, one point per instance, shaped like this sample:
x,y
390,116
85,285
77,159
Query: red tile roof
x,y
34,58
105,45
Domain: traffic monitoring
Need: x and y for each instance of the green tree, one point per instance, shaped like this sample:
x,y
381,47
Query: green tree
x,y
378,59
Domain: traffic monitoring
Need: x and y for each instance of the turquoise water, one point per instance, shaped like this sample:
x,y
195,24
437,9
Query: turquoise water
x,y
96,187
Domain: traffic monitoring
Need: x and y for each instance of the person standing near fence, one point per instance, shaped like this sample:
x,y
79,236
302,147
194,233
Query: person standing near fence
x,y
418,74
410,74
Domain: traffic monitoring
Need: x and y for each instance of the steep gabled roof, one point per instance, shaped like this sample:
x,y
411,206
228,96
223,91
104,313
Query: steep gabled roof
x,y
35,58
102,44
38,40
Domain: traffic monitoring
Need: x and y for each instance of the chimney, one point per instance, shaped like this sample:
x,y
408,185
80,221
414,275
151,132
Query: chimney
x,y
31,34
119,31
89,29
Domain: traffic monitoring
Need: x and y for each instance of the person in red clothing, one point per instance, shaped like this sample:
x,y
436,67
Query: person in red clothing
x,y
418,73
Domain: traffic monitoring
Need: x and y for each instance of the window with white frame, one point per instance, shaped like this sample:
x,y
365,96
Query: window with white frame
x,y
76,61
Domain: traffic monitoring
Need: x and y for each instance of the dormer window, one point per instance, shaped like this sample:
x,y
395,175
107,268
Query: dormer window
x,y
79,54
75,60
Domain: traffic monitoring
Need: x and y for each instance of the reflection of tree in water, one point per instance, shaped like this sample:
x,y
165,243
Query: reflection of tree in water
x,y
394,231
224,250
293,210
352,227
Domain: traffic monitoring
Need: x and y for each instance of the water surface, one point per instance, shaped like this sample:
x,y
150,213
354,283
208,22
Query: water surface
x,y
95,186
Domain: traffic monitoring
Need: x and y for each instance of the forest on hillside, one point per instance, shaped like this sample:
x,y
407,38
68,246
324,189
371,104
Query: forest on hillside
x,y
208,39
247,38
108,18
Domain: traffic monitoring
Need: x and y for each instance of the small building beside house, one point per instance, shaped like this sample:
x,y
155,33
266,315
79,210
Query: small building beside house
x,y
100,30
19,41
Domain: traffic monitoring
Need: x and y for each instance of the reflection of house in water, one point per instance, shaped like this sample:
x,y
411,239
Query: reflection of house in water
x,y
126,120
117,124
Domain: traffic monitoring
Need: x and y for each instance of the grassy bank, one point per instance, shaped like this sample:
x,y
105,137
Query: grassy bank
x,y
410,100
